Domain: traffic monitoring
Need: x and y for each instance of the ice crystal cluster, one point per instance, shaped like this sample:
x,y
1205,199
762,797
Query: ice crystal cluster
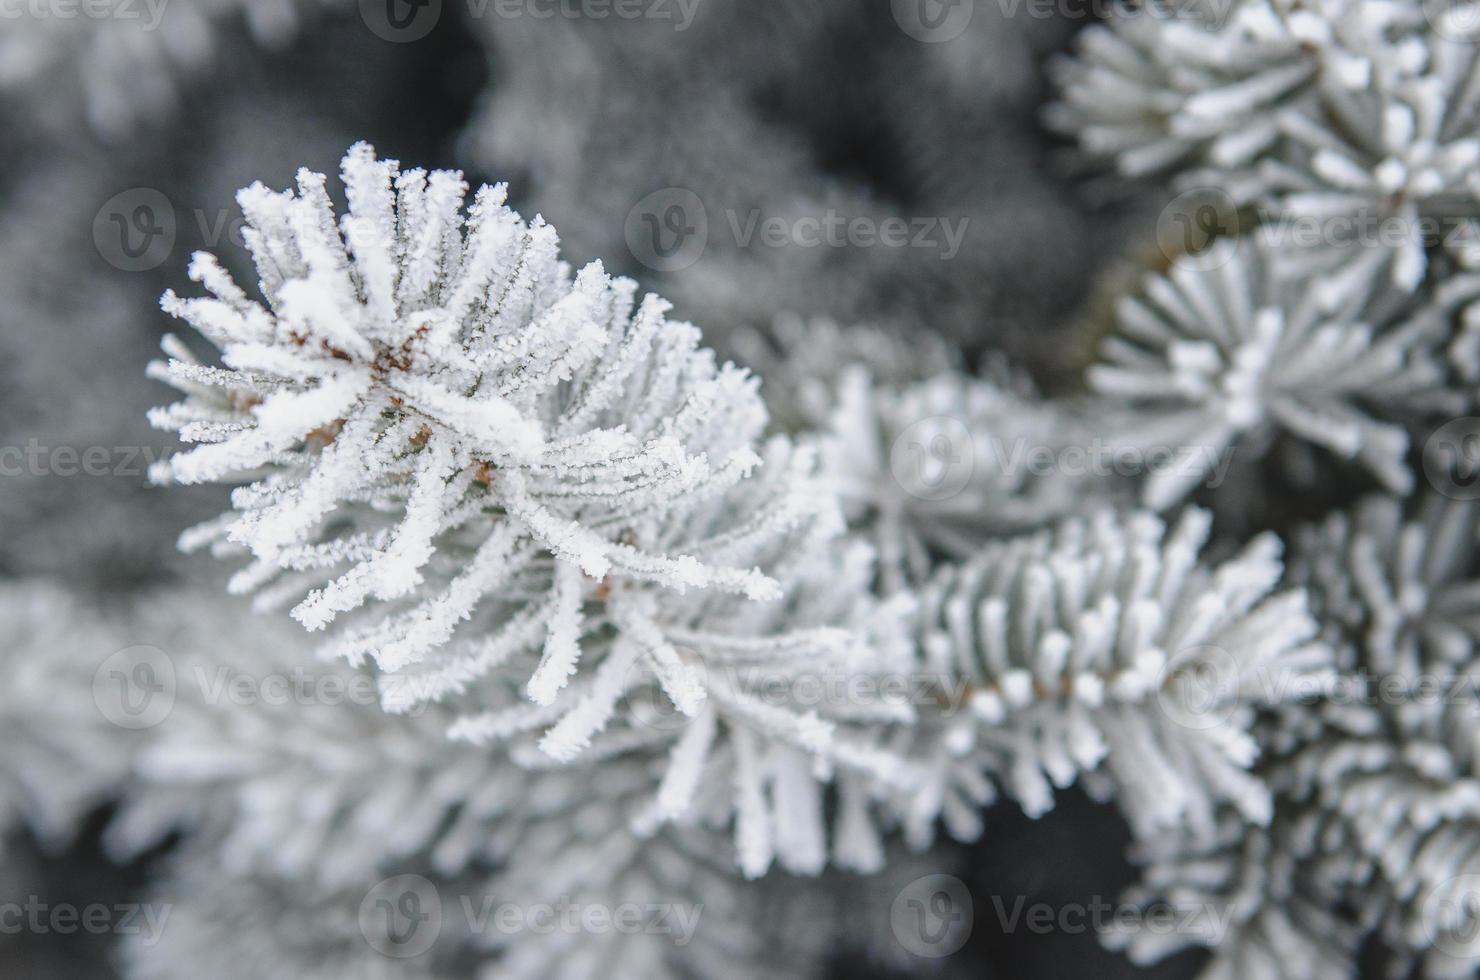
x,y
1374,785
1223,354
535,499
1146,682
1305,353
1347,114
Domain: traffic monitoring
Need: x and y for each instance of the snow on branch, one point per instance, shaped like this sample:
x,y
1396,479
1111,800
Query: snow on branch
x,y
433,417
1108,648
1226,358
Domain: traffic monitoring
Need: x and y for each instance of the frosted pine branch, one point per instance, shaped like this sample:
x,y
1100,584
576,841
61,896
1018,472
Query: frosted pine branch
x,y
431,417
1108,648
803,361
288,767
1405,154
929,460
1232,357
1215,83
1392,770
694,910
1244,893
773,724
1377,805
244,928
1349,115
534,505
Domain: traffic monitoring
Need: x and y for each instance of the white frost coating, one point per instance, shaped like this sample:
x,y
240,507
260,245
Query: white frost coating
x,y
1347,115
432,417
1376,823
1108,646
1215,363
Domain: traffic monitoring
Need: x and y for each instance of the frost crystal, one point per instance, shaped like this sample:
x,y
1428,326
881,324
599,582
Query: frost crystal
x,y
1166,85
431,415
1107,647
803,362
1356,117
1392,770
1226,357
927,459
1376,826
748,706
1242,892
